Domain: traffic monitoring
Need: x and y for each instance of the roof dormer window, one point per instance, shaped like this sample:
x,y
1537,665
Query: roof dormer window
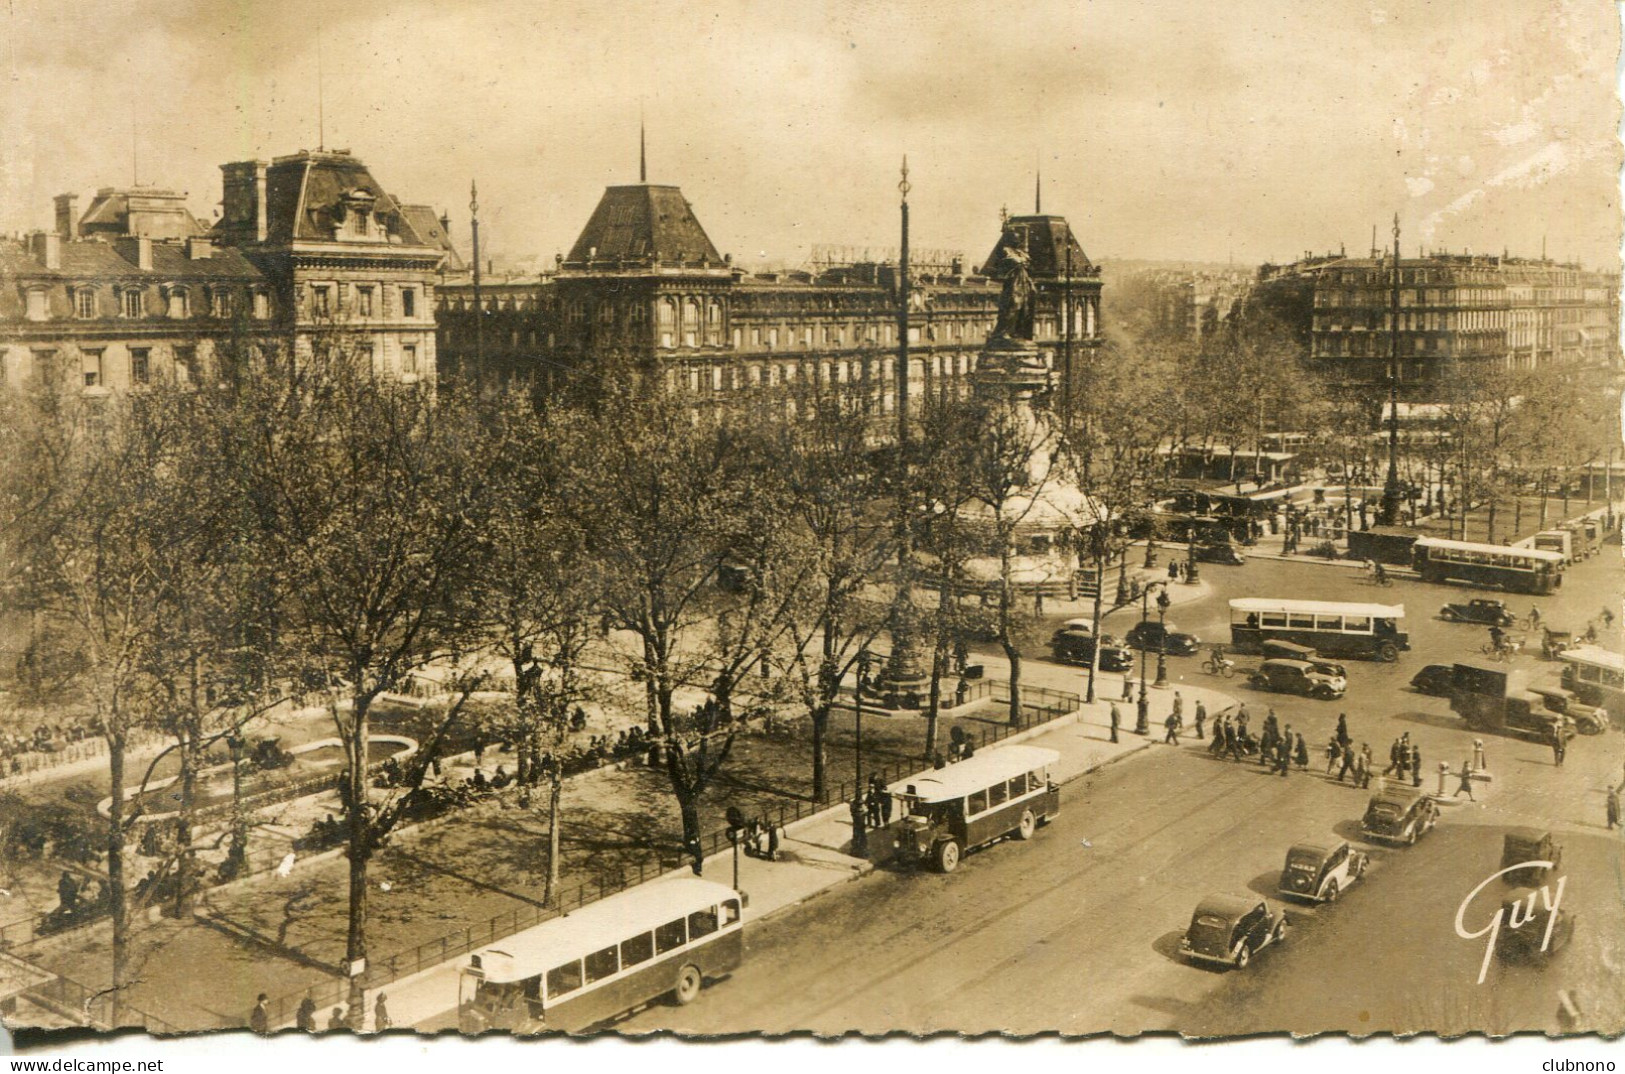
x,y
39,304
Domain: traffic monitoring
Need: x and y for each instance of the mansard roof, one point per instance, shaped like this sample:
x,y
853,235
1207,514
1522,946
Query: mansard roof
x,y
1046,239
643,223
305,194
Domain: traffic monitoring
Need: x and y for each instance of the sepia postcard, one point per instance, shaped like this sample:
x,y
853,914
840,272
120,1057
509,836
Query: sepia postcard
x,y
1084,517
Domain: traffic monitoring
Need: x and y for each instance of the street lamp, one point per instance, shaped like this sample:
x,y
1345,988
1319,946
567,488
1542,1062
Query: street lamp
x,y
1191,574
1142,723
1162,641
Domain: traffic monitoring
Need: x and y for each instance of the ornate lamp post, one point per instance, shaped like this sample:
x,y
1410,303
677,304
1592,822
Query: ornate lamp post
x,y
1192,574
1162,643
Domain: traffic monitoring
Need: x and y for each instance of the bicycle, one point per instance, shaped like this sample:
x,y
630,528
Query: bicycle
x,y
1219,666
1532,621
1502,653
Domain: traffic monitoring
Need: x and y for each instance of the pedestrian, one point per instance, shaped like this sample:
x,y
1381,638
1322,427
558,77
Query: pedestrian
x,y
1343,738
1366,765
1179,708
1558,745
1466,780
1201,718
1173,570
335,1021
773,841
885,799
305,1019
1416,765
1117,720
380,1015
1350,763
1334,753
1613,808
1300,753
1283,757
259,1019
1216,747
1172,723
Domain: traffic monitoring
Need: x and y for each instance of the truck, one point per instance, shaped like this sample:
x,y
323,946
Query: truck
x,y
1500,700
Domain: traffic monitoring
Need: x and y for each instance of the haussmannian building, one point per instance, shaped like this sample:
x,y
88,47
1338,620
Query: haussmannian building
x,y
1514,313
136,288
645,292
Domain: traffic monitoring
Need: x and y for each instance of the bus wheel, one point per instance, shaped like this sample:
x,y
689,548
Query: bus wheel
x,y
1388,653
689,981
1028,825
947,856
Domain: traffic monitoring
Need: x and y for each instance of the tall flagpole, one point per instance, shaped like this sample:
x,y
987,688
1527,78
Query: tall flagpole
x,y
479,307
903,188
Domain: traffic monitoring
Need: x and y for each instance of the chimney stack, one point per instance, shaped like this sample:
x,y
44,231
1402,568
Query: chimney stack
x,y
48,248
143,253
243,201
67,216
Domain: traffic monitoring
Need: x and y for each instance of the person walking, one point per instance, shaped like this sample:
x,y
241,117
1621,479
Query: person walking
x,y
1366,764
1560,745
1334,753
1343,738
1117,721
1350,763
1300,753
305,1019
259,1019
335,1021
380,1015
1613,808
1283,757
1416,765
1172,724
1179,709
1465,778
1201,717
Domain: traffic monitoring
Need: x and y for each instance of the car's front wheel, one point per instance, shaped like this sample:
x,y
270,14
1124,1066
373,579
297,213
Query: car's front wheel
x,y
1331,891
1244,955
947,856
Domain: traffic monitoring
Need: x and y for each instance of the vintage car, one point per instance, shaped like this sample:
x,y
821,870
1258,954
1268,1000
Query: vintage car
x,y
1227,555
1484,612
1275,649
1231,929
1527,941
1320,872
1435,679
1298,677
1077,626
1584,718
1399,814
1522,845
1071,647
1162,637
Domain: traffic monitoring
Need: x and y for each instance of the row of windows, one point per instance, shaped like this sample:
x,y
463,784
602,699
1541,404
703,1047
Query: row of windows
x,y
1005,791
176,302
94,370
562,980
368,300
1506,560
1343,624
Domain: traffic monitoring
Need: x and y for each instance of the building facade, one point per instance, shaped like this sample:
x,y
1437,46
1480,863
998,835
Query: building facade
x,y
136,289
1512,313
644,291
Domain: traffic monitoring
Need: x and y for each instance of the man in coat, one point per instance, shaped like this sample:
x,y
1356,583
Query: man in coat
x,y
1201,717
1416,765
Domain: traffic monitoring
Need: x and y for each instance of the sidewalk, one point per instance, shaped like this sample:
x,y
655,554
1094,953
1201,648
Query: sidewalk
x,y
815,854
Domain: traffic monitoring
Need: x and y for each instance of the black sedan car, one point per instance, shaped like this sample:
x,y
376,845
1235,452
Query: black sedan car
x,y
1482,612
1073,647
1435,679
1162,637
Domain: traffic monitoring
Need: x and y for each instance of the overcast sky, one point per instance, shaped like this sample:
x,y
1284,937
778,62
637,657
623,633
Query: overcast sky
x,y
1164,129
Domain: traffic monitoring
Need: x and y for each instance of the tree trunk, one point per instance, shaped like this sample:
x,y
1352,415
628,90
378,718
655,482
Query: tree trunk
x,y
688,804
555,798
118,902
186,860
820,750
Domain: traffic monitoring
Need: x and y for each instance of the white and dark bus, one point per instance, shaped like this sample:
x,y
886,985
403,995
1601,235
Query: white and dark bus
x,y
1488,566
1331,628
570,973
1597,677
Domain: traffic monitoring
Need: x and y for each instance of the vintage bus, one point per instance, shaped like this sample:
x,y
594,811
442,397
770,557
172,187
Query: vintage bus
x,y
1488,566
1597,677
1005,791
573,972
1332,628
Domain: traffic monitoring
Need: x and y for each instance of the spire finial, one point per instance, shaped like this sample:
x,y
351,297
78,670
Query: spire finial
x,y
643,154
473,198
1396,227
903,185
1038,190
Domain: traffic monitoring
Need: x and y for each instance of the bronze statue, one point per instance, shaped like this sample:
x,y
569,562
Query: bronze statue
x,y
1011,264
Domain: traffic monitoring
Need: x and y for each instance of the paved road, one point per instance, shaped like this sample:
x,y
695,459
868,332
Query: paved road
x,y
1057,934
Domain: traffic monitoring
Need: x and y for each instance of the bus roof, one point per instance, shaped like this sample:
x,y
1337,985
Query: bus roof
x,y
1469,546
1318,607
597,926
1596,655
982,769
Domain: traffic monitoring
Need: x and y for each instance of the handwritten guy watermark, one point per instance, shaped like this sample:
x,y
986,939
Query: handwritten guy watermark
x,y
1516,914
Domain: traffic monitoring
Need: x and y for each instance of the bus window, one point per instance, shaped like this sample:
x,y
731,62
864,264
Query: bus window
x,y
640,948
563,979
601,964
1301,621
1385,626
1357,624
1018,785
670,936
1274,619
702,922
978,802
730,911
1329,622
996,794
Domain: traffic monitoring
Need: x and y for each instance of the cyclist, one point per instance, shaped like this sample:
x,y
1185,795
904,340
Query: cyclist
x,y
1534,618
1497,639
1379,574
1216,654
